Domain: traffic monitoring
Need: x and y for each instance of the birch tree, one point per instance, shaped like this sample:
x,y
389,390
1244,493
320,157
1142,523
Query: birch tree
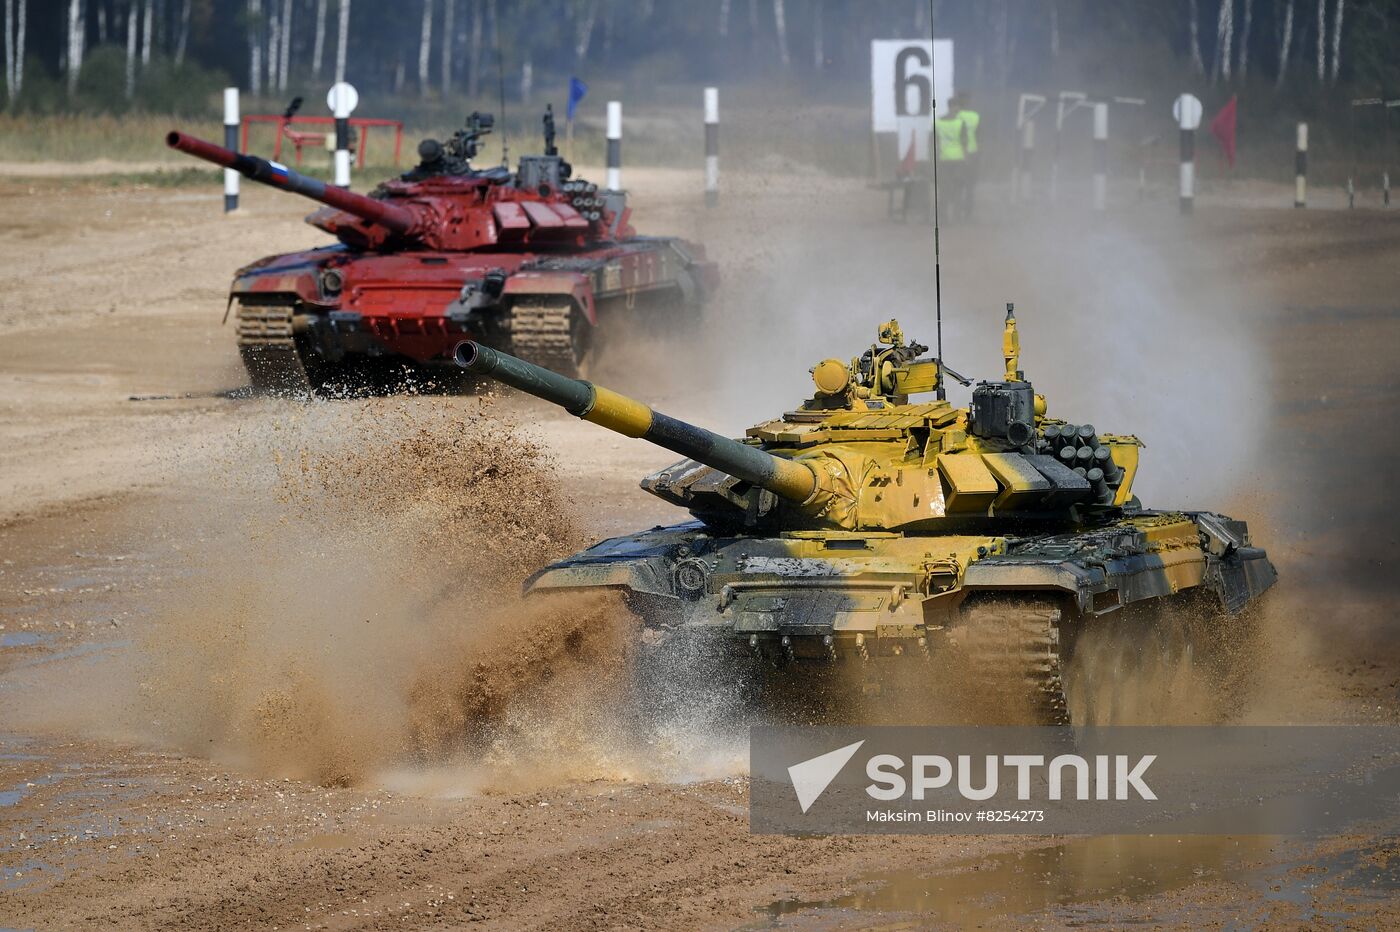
x,y
425,47
780,25
16,84
1321,41
474,50
255,66
342,41
14,49
76,30
318,47
449,26
583,32
1224,33
1198,64
1285,44
132,23
1244,39
284,66
147,32
274,42
10,50
1337,38
182,40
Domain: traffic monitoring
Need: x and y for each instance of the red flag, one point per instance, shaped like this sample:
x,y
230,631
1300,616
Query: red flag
x,y
1223,129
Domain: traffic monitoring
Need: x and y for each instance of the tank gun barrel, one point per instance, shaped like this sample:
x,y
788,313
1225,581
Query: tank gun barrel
x,y
789,479
275,175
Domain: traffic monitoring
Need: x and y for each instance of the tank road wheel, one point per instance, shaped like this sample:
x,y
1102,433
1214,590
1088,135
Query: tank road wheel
x,y
1008,649
269,349
549,331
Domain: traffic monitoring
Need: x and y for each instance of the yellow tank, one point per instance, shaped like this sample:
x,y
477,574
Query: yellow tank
x,y
877,520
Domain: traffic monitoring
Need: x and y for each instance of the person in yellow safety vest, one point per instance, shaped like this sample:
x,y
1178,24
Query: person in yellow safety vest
x,y
971,119
950,132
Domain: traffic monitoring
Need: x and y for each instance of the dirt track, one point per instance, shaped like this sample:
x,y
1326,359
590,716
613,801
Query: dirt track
x,y
1252,350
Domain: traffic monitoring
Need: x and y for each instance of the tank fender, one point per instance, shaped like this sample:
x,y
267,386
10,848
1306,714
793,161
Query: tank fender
x,y
1235,571
573,284
1242,575
297,274
1080,583
639,575
641,562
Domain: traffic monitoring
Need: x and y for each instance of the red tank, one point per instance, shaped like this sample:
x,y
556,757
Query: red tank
x,y
535,262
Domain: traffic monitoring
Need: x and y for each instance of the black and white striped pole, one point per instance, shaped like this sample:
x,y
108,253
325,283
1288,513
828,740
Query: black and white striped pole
x,y
1100,156
1300,168
342,101
711,147
1188,111
614,145
231,122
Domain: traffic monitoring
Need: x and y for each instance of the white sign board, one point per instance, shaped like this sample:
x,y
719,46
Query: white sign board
x,y
1187,110
342,99
912,139
906,77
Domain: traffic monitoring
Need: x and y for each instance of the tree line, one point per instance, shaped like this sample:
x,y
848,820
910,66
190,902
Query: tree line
x,y
446,48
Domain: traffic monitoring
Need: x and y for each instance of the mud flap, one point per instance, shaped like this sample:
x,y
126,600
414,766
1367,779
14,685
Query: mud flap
x,y
275,368
1242,575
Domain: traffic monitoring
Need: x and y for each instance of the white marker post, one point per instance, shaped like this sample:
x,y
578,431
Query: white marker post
x,y
231,123
342,101
711,147
1188,111
614,177
1300,169
1100,156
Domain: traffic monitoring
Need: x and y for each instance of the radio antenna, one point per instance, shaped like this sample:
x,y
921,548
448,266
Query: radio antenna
x,y
942,394
501,81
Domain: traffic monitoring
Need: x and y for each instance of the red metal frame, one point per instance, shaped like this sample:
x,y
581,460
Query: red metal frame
x,y
363,124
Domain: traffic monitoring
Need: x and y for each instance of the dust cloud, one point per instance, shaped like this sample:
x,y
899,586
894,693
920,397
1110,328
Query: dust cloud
x,y
368,542
1121,326
348,609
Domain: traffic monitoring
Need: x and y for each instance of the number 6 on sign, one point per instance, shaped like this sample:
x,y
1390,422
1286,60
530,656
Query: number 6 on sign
x,y
905,76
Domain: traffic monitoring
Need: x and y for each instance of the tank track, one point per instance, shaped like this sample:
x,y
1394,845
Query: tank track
x,y
541,331
1012,645
268,347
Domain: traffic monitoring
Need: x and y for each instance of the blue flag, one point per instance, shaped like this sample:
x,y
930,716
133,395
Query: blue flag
x,y
576,91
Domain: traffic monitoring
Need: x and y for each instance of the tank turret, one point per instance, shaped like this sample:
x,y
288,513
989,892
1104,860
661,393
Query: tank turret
x,y
862,452
532,261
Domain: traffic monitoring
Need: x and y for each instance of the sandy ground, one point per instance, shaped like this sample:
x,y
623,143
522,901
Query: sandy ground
x,y
169,574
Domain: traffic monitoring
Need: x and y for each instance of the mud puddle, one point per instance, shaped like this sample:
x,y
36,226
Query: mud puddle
x,y
1075,879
